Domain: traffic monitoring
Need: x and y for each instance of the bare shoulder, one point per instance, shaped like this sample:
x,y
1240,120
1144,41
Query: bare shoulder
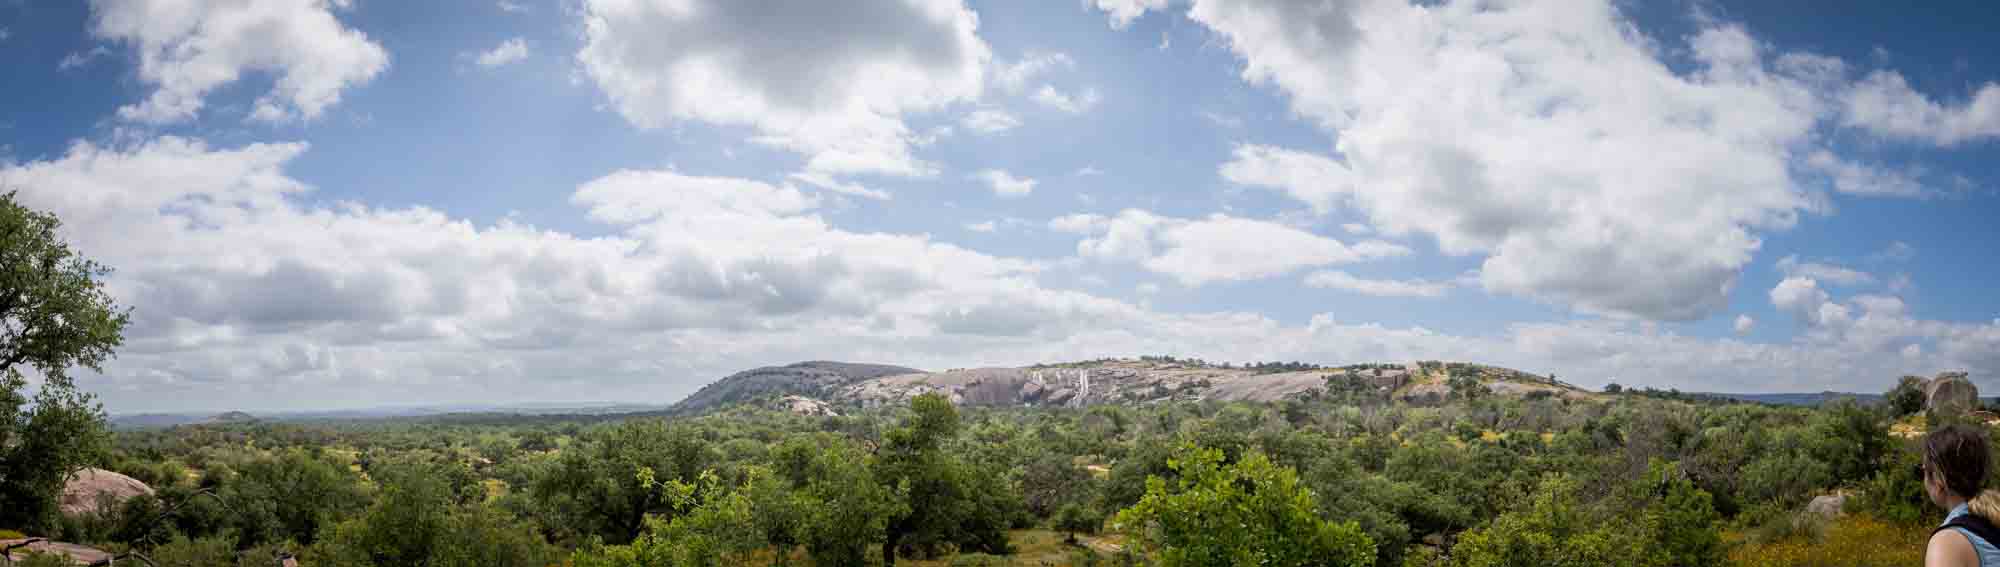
x,y
1948,548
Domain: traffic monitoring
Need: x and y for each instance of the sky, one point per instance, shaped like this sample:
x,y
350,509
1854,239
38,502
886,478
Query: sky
x,y
315,204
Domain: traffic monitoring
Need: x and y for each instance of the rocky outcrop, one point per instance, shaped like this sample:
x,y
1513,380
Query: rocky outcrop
x,y
1950,392
1827,507
816,379
1152,381
18,550
88,488
801,405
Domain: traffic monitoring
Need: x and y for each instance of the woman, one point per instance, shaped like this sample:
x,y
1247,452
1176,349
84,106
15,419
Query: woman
x,y
1954,469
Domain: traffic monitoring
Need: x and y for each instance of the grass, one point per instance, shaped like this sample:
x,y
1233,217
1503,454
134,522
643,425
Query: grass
x,y
1851,541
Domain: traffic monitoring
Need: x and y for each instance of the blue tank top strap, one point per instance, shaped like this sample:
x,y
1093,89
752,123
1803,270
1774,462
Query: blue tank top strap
x,y
1989,555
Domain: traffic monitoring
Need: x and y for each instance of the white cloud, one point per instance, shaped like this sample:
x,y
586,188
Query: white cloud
x,y
827,182
512,7
1122,12
1896,251
1469,123
1147,288
1080,102
1216,248
1356,228
990,121
1863,179
187,49
1015,77
1088,170
246,293
1336,279
1004,184
982,226
1885,105
509,51
1166,41
1310,178
1822,271
76,60
829,80
1802,296
1744,324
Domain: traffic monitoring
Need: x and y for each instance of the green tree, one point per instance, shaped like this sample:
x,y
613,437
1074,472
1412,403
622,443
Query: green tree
x,y
946,503
1075,518
1249,513
1552,531
1907,397
591,489
54,315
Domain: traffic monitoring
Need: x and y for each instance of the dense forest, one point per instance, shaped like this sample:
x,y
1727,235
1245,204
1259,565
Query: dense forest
x,y
1345,478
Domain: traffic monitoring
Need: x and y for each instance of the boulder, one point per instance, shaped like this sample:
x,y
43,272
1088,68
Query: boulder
x,y
18,550
1950,392
1827,507
89,487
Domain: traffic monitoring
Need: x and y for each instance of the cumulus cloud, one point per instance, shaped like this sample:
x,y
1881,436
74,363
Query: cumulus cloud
x,y
246,291
1310,178
509,51
1831,273
990,121
1005,184
1080,102
1744,324
1122,12
1513,132
1336,279
829,80
187,49
1885,105
1216,248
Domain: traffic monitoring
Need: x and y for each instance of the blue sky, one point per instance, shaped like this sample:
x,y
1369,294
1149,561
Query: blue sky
x,y
342,203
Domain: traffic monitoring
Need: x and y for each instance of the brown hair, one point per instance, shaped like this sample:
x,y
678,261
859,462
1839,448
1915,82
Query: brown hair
x,y
1958,455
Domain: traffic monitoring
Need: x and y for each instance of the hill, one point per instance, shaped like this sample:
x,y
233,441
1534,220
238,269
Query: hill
x,y
231,417
814,379
1111,381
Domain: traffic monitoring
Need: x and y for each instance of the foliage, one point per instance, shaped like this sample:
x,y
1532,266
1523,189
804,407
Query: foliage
x,y
1249,513
1907,397
54,315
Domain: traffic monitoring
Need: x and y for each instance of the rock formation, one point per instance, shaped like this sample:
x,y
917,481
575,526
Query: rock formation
x,y
88,488
1950,392
1827,507
801,405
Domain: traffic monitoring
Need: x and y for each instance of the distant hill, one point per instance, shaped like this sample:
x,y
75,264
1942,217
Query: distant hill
x,y
230,417
814,379
156,420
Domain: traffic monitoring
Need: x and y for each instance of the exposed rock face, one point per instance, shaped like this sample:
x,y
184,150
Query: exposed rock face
x,y
815,379
76,553
86,488
1827,507
1151,381
801,405
1950,392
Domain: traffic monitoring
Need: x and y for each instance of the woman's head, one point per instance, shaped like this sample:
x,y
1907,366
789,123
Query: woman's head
x,y
1955,462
